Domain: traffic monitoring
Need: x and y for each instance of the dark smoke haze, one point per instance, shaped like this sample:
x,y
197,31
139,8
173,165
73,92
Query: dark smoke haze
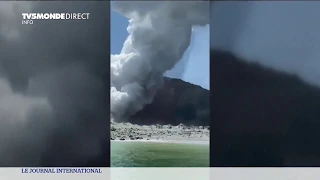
x,y
54,105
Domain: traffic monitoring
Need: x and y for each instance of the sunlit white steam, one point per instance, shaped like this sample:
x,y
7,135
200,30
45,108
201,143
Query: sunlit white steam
x,y
159,34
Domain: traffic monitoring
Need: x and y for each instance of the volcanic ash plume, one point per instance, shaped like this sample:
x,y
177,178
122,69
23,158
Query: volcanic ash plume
x,y
159,34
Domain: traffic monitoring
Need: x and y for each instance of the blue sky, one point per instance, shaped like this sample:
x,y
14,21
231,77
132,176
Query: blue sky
x,y
193,68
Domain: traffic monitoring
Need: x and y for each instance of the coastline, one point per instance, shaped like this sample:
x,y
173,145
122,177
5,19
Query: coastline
x,y
180,134
165,141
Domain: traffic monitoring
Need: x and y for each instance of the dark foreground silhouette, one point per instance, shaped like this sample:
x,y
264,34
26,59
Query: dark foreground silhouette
x,y
261,117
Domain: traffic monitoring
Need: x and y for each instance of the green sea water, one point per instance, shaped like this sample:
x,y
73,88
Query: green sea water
x,y
153,154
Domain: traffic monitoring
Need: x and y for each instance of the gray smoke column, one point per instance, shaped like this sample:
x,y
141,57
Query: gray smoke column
x,y
159,34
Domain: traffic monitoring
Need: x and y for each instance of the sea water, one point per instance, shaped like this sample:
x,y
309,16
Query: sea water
x,y
155,154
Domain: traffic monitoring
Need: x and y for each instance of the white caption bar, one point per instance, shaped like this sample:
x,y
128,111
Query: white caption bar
x,y
163,173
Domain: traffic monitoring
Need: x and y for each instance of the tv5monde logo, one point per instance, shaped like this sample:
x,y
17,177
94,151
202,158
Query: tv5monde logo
x,y
30,18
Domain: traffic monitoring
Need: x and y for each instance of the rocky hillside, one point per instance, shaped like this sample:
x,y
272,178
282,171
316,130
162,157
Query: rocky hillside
x,y
176,102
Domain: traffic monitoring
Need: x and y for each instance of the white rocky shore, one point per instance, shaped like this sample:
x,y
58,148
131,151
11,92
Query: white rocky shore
x,y
160,133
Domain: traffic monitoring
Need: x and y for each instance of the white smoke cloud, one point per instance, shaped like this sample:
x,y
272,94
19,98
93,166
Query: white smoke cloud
x,y
159,35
